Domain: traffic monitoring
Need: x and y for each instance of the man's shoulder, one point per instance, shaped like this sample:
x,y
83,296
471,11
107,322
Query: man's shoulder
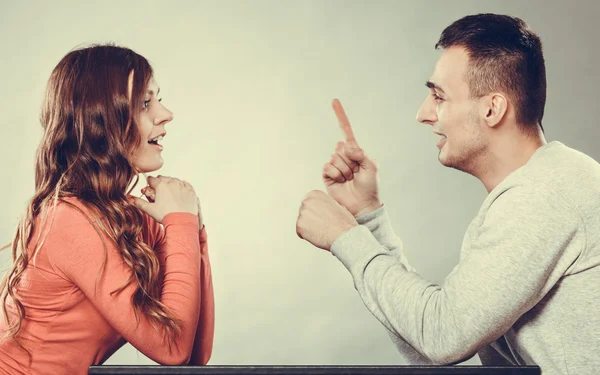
x,y
554,172
557,155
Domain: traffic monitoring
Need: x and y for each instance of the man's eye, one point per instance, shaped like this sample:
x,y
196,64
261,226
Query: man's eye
x,y
437,98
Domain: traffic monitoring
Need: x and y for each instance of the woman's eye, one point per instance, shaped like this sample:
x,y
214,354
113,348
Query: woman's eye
x,y
146,104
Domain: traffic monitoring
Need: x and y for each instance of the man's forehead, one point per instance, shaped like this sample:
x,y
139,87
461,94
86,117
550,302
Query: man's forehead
x,y
450,69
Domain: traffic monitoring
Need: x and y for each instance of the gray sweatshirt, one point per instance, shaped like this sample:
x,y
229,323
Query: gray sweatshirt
x,y
525,290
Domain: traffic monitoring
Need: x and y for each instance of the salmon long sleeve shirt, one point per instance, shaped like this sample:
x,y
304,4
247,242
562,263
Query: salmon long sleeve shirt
x,y
73,320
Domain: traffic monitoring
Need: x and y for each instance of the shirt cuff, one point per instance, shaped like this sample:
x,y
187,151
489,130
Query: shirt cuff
x,y
369,218
378,222
203,235
355,248
180,218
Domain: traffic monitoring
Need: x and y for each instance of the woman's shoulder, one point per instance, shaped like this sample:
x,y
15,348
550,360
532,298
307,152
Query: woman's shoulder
x,y
70,219
68,212
66,224
71,212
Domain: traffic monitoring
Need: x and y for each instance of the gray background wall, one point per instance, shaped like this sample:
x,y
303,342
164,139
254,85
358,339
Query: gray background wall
x,y
250,83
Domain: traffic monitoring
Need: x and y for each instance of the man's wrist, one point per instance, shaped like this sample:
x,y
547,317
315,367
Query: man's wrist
x,y
341,232
368,209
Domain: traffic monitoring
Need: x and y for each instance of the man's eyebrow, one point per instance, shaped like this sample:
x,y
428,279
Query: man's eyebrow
x,y
433,86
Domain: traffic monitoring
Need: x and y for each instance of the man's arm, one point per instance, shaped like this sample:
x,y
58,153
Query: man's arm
x,y
528,240
379,225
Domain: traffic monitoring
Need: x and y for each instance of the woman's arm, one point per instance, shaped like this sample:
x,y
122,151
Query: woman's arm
x,y
95,266
203,342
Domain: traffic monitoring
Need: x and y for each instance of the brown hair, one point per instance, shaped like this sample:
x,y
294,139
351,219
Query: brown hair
x,y
90,134
504,55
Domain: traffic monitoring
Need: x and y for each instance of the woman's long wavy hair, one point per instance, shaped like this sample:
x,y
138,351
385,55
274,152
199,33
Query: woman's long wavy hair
x,y
90,135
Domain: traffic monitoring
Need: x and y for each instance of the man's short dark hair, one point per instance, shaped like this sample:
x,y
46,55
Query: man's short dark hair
x,y
506,56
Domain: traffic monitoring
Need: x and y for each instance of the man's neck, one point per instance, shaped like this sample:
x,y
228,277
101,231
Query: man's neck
x,y
505,155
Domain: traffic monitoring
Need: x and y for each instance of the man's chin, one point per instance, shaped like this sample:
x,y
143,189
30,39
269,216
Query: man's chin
x,y
443,158
452,163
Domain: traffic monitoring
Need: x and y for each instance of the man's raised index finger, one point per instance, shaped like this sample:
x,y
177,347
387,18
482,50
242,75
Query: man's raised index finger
x,y
344,122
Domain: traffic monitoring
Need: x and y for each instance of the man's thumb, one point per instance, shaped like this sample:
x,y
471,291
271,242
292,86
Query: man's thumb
x,y
355,154
368,163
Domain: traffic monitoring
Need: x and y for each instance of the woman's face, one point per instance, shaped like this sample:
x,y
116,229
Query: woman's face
x,y
151,119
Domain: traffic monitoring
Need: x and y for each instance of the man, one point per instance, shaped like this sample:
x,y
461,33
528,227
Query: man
x,y
525,289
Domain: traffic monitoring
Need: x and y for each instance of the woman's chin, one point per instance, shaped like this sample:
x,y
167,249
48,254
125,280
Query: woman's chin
x,y
149,167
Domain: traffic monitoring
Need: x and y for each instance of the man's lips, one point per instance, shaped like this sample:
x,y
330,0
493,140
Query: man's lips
x,y
442,140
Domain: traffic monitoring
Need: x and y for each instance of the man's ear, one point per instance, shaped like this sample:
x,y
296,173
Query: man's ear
x,y
493,108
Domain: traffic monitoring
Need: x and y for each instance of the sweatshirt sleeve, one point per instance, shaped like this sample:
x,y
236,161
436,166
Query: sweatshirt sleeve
x,y
379,225
79,252
527,240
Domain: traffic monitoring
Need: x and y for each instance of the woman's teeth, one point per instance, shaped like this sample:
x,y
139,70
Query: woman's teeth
x,y
156,140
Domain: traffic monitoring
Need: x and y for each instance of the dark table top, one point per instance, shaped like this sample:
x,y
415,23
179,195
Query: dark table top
x,y
317,370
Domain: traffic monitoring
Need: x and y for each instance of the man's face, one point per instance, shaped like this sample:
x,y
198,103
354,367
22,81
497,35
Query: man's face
x,y
451,112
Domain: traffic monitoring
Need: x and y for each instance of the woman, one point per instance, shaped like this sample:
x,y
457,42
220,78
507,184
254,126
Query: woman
x,y
93,266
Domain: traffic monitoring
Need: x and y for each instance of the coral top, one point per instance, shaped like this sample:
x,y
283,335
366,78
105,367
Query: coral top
x,y
73,321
